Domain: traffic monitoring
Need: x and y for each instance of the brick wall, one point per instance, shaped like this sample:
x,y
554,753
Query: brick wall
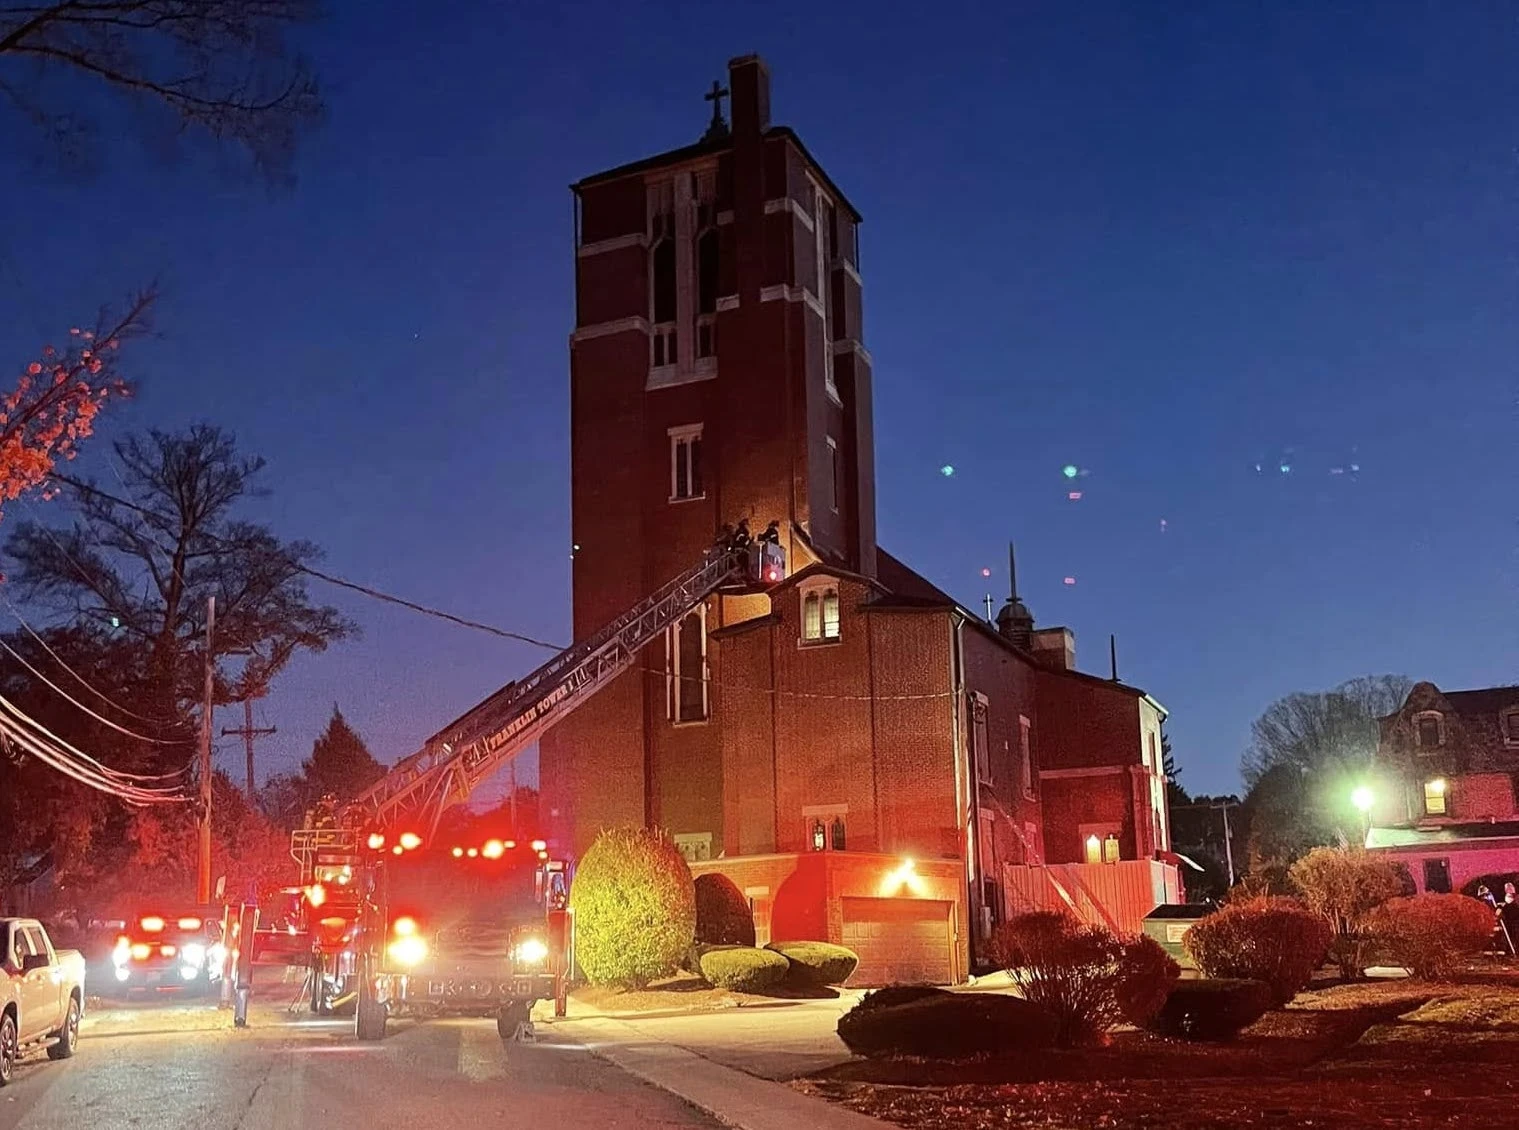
x,y
1070,802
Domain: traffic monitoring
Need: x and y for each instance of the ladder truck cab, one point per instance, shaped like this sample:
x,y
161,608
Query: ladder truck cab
x,y
406,922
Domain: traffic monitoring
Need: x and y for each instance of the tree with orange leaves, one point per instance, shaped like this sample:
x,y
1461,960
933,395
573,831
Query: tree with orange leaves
x,y
57,397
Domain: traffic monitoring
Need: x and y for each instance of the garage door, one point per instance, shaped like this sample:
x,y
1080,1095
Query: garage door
x,y
900,941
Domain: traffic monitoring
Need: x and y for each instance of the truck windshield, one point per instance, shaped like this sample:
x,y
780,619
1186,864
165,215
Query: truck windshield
x,y
441,890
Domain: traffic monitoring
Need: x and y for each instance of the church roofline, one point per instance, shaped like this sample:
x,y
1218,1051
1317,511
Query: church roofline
x,y
711,149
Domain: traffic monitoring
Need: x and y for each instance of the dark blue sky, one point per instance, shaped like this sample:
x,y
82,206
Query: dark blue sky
x,y
1161,242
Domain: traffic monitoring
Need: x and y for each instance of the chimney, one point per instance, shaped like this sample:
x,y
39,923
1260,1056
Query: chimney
x,y
1055,648
1015,623
749,81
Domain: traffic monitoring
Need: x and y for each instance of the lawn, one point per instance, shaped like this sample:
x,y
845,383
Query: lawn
x,y
1388,1054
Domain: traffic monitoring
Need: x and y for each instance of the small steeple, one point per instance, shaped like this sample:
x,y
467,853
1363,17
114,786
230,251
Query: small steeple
x,y
717,128
1015,622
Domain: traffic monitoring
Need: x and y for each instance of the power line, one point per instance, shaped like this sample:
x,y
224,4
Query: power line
x,y
107,699
19,658
56,754
166,525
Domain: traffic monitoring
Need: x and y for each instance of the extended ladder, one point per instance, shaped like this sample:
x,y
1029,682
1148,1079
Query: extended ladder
x,y
462,755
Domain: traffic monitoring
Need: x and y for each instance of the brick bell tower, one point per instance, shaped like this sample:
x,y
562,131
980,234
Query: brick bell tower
x,y
717,373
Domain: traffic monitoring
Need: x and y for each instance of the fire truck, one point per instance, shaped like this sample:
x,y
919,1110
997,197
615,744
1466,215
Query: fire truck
x,y
401,922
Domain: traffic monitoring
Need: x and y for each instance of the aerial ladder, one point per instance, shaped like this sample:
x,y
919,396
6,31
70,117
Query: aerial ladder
x,y
451,764
456,760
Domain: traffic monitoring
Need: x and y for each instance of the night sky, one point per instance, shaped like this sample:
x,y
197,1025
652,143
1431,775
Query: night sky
x,y
1161,243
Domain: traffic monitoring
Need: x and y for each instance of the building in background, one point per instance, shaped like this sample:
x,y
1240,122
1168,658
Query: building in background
x,y
869,761
1443,787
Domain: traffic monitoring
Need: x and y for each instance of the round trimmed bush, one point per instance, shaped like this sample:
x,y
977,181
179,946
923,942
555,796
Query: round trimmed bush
x,y
1142,978
634,906
1431,934
935,1024
743,969
723,917
1211,1010
817,964
1275,940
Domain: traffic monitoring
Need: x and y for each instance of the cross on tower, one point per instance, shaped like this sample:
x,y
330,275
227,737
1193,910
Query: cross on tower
x,y
717,127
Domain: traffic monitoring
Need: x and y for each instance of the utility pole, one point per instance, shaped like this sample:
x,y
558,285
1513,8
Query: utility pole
x,y
248,733
203,885
1228,841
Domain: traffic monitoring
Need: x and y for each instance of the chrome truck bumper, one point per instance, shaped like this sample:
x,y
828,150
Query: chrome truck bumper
x,y
420,993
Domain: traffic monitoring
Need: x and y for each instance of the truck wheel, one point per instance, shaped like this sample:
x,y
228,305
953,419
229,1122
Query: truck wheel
x,y
510,1018
8,1048
68,1035
370,1015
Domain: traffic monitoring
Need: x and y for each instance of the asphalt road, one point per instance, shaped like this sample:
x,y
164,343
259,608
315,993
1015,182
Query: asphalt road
x,y
169,1065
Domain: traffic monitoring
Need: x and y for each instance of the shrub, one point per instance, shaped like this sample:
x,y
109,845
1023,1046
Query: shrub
x,y
723,917
1430,934
817,964
635,908
1275,940
919,1021
1211,1010
1142,979
743,969
1345,885
1085,978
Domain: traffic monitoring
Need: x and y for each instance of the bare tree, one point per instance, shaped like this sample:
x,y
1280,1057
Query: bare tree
x,y
143,565
218,66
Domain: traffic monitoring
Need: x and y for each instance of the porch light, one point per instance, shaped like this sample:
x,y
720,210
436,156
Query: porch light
x,y
1363,798
904,875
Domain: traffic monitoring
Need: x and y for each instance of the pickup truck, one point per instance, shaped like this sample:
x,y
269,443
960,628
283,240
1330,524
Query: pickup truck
x,y
41,994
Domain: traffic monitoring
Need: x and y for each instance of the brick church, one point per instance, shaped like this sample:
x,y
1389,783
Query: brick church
x,y
869,761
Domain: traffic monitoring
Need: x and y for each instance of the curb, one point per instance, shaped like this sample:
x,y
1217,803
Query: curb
x,y
734,1098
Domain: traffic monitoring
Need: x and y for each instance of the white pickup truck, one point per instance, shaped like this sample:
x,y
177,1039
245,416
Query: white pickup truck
x,y
41,994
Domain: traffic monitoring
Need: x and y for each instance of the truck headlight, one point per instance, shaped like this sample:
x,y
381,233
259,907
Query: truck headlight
x,y
408,950
533,951
193,954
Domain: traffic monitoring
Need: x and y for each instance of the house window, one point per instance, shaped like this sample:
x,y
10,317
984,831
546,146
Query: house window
x,y
685,463
1437,876
1434,797
1511,727
686,668
1099,843
820,614
980,752
695,846
824,824
707,250
1149,753
662,268
1430,731
1026,754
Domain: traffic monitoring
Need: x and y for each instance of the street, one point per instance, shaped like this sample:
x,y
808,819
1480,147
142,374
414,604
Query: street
x,y
169,1065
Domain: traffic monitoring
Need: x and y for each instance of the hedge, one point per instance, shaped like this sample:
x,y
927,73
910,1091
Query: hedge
x,y
1275,940
817,964
723,917
634,906
1211,1010
1431,934
743,969
935,1024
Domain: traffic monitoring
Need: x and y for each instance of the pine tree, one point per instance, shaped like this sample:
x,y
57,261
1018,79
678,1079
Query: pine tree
x,y
340,763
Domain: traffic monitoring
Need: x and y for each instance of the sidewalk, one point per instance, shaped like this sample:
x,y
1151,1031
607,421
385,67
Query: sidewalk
x,y
733,1097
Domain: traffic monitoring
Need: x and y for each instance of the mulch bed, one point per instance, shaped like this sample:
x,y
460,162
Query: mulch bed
x,y
1355,1057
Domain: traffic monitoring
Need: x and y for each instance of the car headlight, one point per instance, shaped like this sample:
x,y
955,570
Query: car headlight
x,y
193,953
408,950
533,951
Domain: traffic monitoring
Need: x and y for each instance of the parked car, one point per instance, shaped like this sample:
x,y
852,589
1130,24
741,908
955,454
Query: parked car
x,y
170,950
41,994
